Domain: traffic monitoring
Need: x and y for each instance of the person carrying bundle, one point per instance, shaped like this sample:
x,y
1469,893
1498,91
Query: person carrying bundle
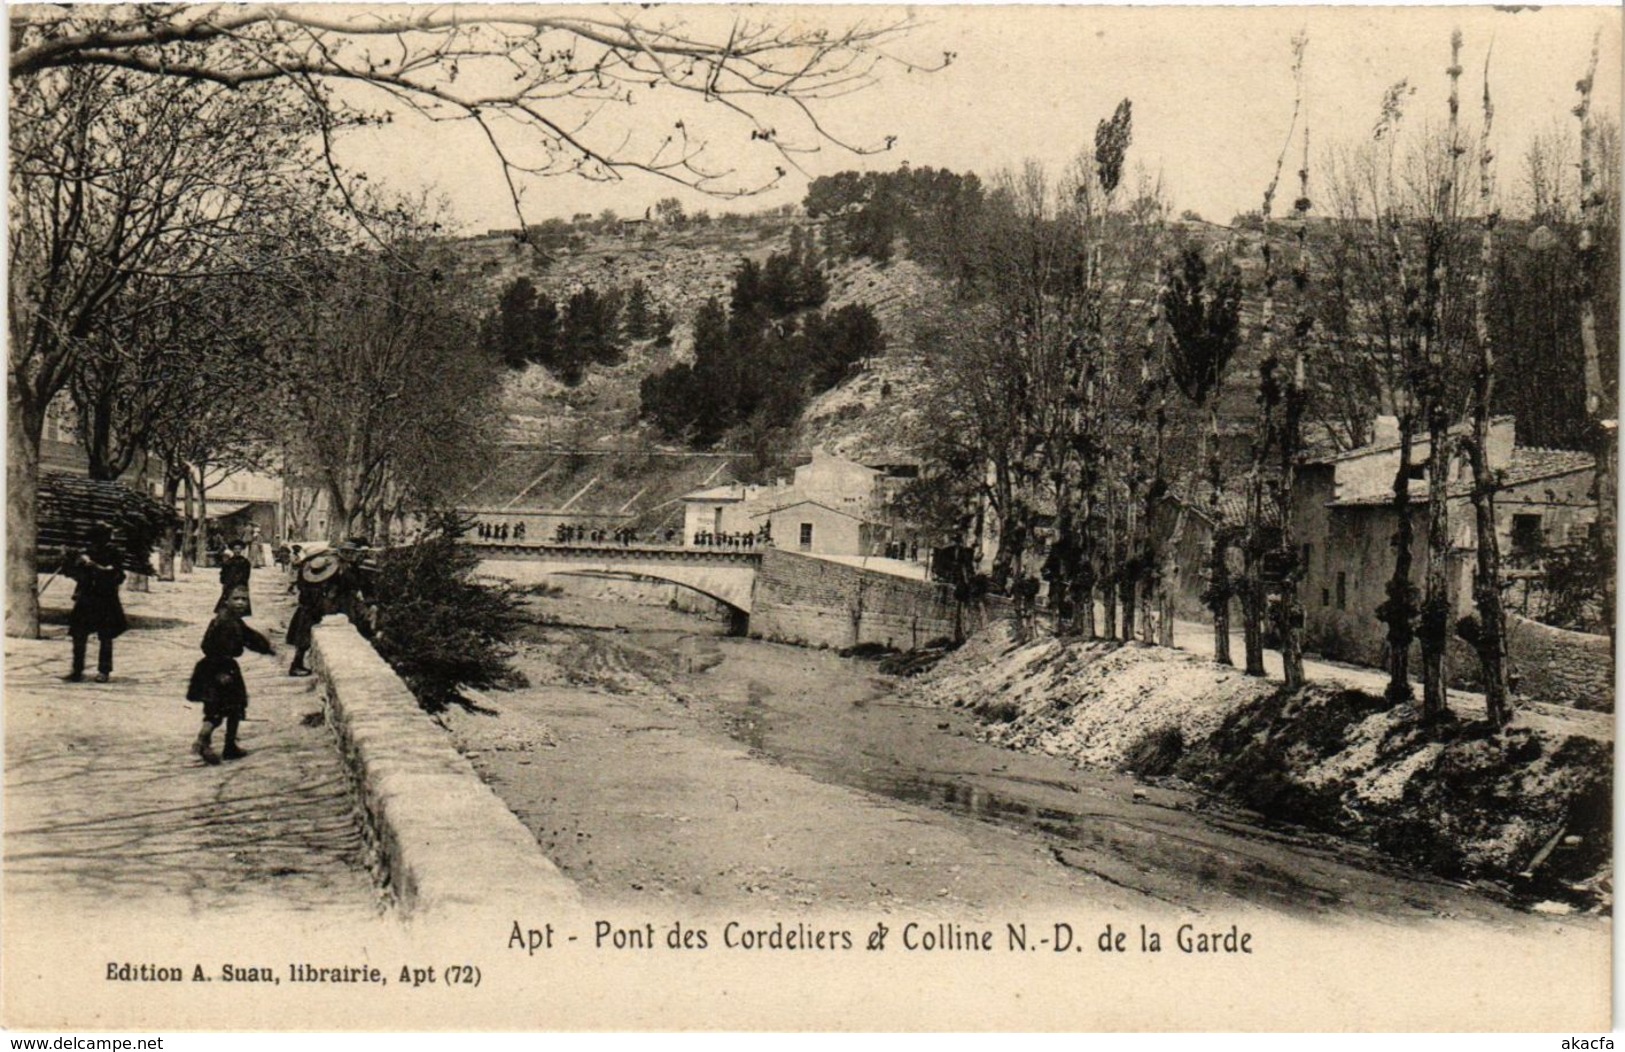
x,y
96,607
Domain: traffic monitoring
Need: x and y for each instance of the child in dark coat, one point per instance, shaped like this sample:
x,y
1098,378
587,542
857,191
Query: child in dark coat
x,y
217,681
235,569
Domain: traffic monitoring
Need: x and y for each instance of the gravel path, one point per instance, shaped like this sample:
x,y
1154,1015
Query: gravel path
x,y
106,808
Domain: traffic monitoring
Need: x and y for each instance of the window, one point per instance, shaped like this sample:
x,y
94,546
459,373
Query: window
x,y
1527,537
1342,590
806,536
1325,597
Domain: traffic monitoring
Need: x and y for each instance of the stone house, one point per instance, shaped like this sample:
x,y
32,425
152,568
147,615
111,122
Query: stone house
x,y
1344,523
722,510
1183,526
815,528
837,486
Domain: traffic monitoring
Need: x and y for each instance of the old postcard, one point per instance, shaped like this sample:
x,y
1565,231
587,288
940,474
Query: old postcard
x,y
764,518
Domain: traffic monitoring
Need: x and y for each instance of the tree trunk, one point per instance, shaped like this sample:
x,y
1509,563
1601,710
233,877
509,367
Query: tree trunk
x,y
1598,408
1398,612
1108,580
1218,584
201,550
1148,610
1252,610
1434,629
1126,597
1083,602
24,426
1491,635
166,555
188,524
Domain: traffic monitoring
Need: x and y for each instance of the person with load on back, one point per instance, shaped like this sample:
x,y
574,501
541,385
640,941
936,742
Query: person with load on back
x,y
96,607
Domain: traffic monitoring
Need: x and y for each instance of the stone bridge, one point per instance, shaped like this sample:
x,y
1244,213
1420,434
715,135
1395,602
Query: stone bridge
x,y
727,575
782,596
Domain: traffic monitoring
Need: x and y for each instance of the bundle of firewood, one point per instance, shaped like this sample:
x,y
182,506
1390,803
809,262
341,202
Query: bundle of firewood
x,y
69,505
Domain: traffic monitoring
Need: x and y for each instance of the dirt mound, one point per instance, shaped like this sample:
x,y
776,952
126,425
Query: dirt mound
x,y
1530,808
1092,701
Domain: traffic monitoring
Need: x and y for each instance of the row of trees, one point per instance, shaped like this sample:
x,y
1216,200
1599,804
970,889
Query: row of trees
x,y
191,263
526,328
758,360
1079,357
867,213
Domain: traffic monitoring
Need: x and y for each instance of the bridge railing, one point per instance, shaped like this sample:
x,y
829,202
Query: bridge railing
x,y
611,545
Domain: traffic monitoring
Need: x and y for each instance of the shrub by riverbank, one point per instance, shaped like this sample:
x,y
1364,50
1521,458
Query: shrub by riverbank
x,y
1452,798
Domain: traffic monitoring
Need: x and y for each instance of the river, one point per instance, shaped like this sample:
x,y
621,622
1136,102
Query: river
x,y
658,760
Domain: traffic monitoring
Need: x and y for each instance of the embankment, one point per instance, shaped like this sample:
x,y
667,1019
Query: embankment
x,y
1530,806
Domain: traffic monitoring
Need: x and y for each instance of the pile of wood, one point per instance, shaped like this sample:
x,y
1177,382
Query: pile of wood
x,y
70,505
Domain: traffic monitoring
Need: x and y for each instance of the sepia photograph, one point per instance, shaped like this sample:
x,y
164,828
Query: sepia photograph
x,y
774,518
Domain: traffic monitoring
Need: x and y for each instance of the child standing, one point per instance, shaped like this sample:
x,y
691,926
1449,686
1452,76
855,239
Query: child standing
x,y
217,681
235,570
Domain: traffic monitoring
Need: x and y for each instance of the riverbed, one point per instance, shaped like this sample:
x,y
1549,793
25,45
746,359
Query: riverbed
x,y
658,760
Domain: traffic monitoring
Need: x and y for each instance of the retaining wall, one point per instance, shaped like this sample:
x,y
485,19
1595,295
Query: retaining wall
x,y
447,842
814,602
1551,664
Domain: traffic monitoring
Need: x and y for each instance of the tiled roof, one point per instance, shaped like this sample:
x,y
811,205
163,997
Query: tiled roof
x,y
815,503
1233,504
1528,465
1421,437
1531,464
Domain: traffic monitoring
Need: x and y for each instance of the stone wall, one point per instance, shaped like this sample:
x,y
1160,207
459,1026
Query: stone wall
x,y
1551,665
814,602
447,843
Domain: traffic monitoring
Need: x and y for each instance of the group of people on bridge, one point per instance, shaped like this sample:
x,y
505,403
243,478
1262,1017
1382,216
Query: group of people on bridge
x,y
742,540
625,536
500,531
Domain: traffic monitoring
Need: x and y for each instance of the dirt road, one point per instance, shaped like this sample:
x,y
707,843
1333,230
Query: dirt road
x,y
662,763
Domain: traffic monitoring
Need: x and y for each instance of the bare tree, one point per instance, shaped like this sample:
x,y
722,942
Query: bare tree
x,y
543,86
118,183
1289,610
121,138
381,390
1203,314
1600,413
1274,393
1442,228
1372,325
1488,635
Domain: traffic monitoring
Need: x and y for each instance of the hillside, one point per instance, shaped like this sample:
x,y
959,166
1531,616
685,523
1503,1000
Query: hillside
x,y
682,268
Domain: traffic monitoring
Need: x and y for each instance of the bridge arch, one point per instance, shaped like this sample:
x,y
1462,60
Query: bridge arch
x,y
727,577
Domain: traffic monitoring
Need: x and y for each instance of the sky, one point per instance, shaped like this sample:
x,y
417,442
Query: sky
x,y
1211,87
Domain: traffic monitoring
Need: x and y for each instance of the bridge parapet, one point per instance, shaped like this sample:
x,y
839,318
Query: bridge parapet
x,y
596,552
727,576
